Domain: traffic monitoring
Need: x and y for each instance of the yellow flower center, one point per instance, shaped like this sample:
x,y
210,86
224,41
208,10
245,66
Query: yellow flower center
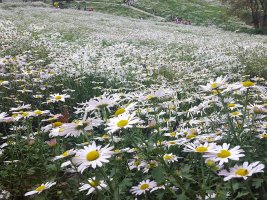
x,y
38,112
25,114
92,155
65,154
136,163
248,84
117,150
57,124
235,113
14,115
149,97
264,135
105,136
213,85
231,105
190,136
201,149
224,154
173,134
61,130
58,97
94,183
217,92
40,188
1,81
193,131
80,124
210,139
122,123
152,165
144,186
136,149
172,142
210,163
242,172
257,110
167,157
119,111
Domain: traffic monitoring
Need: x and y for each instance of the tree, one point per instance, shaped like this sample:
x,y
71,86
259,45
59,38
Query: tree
x,y
263,4
257,8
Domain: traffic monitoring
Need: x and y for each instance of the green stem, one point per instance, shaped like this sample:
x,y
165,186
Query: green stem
x,y
179,182
250,192
108,182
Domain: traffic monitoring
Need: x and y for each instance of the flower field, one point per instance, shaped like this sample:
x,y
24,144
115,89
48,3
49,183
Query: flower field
x,y
101,107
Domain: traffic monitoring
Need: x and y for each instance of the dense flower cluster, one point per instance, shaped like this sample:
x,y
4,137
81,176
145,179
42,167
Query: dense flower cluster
x,y
175,117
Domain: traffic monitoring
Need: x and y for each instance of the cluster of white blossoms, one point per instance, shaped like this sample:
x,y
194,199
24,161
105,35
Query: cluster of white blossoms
x,y
122,106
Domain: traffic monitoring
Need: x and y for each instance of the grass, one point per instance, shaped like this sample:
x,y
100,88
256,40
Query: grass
x,y
198,12
159,66
120,10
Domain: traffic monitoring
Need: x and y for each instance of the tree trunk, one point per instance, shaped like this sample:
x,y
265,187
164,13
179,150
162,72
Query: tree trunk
x,y
264,15
254,6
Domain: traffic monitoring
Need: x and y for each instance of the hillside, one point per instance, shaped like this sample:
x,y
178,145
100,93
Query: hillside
x,y
100,106
199,12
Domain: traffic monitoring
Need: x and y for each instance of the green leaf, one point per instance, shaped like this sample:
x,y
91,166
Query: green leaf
x,y
242,194
181,197
160,195
257,182
158,174
236,186
125,183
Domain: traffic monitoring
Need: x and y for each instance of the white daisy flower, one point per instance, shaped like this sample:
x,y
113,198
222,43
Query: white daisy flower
x,y
64,155
198,147
93,156
22,107
236,114
75,128
92,185
126,109
142,187
103,101
124,120
217,84
136,164
171,134
40,112
2,82
170,158
222,153
171,143
262,136
41,188
3,115
233,105
242,171
58,97
257,109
